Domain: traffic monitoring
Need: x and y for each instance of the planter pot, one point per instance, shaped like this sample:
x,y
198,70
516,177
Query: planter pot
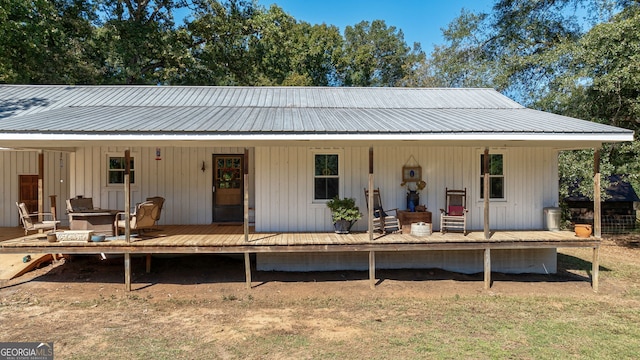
x,y
342,226
413,199
583,230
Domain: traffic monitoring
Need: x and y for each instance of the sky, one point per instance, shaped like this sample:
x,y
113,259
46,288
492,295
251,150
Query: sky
x,y
420,20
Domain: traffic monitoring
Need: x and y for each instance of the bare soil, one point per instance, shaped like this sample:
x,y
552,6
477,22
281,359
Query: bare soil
x,y
187,302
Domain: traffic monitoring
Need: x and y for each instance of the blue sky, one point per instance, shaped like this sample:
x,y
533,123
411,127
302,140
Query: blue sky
x,y
419,20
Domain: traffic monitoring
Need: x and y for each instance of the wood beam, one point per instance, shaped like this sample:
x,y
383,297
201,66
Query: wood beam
x,y
487,193
597,197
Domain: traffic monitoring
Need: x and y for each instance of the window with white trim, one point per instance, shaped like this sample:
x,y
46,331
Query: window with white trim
x,y
115,170
326,176
496,176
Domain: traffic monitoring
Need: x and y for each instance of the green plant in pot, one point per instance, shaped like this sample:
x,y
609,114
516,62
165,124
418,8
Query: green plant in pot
x,y
344,213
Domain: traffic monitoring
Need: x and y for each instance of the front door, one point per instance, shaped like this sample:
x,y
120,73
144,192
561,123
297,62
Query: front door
x,y
228,188
29,191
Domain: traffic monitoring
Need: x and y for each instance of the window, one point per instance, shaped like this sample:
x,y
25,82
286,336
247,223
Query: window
x,y
116,170
326,177
496,176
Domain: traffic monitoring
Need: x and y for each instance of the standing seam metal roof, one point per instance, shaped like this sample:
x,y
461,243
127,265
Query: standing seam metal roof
x,y
258,110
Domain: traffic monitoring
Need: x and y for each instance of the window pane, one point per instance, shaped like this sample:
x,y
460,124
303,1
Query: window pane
x,y
497,187
326,165
326,188
116,163
495,164
116,177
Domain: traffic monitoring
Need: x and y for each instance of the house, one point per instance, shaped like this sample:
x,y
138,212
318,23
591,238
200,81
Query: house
x,y
618,207
300,146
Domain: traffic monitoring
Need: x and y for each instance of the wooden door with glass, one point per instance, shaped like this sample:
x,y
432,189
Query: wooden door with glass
x,y
228,188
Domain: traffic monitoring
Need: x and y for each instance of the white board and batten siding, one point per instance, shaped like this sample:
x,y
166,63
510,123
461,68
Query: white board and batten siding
x,y
284,184
56,181
178,177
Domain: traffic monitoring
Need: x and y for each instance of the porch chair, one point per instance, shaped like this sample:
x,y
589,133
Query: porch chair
x,y
454,217
383,220
30,225
160,201
142,218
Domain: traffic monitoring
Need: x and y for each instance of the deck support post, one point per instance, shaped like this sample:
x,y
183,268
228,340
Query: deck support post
x,y
127,196
595,268
372,269
127,271
148,263
245,181
487,269
247,270
370,199
487,193
597,213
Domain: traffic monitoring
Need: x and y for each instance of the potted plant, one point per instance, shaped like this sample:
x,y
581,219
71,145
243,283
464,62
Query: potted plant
x,y
344,213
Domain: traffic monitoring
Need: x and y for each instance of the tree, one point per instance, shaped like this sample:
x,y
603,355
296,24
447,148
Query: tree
x,y
376,55
140,44
44,42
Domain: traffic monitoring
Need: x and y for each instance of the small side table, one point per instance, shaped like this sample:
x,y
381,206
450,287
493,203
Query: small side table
x,y
407,217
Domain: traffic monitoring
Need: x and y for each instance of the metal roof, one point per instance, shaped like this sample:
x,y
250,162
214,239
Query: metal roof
x,y
158,110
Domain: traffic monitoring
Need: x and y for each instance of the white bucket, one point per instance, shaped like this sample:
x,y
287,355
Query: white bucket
x,y
421,229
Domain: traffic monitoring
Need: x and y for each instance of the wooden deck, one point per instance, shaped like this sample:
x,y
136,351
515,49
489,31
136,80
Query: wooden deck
x,y
226,239
231,239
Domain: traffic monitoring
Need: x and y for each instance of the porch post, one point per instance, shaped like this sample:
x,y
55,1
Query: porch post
x,y
127,271
245,181
40,185
370,199
127,196
595,268
597,213
247,270
372,268
53,204
487,193
487,269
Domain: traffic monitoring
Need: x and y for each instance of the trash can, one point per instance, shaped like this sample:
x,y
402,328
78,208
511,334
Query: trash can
x,y
552,217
